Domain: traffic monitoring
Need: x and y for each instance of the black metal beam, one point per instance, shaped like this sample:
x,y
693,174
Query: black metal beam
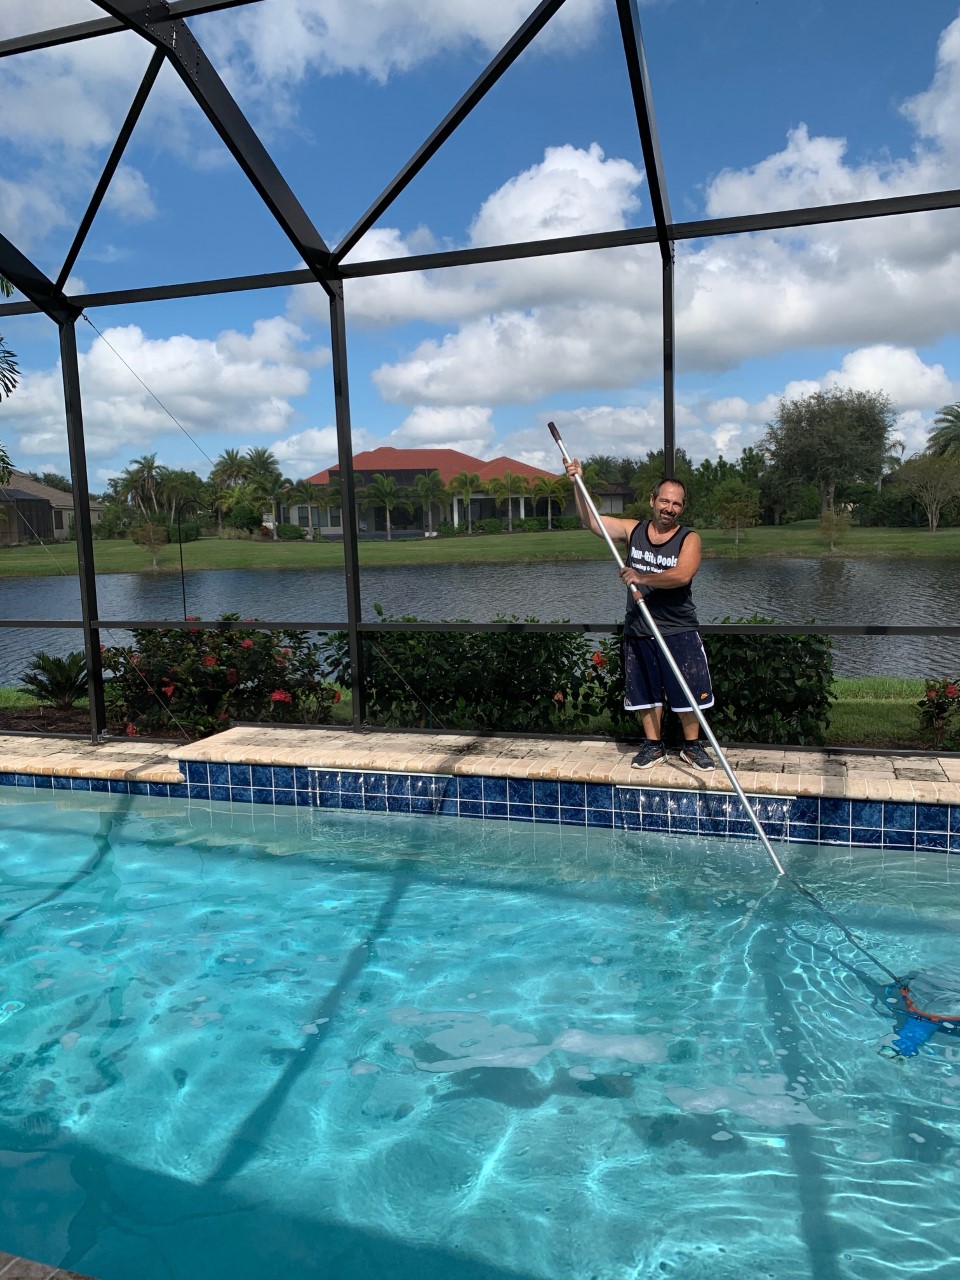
x,y
455,117
29,279
646,121
669,369
155,24
82,523
103,26
113,162
348,503
740,225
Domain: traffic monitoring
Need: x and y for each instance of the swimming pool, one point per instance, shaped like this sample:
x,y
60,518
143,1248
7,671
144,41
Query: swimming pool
x,y
261,1041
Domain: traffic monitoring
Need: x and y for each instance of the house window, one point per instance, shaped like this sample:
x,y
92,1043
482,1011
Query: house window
x,y
57,519
334,513
303,517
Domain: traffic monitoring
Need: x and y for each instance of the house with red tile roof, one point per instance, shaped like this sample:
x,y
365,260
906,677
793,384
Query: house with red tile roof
x,y
405,465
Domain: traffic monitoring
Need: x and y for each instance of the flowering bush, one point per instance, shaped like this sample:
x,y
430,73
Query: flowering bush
x,y
940,712
194,681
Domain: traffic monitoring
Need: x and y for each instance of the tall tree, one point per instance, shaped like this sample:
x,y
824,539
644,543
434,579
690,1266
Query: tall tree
x,y
305,494
384,491
737,504
430,489
139,482
944,438
504,488
261,464
553,489
9,371
229,470
463,486
831,437
933,482
6,467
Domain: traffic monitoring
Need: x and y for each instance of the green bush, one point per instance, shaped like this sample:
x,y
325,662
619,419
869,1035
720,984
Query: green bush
x,y
57,682
567,522
492,524
940,712
447,529
195,681
290,533
531,524
188,531
485,680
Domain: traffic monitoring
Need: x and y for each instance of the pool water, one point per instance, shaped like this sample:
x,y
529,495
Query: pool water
x,y
250,1042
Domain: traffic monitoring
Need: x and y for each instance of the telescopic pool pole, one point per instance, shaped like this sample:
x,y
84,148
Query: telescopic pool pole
x,y
655,631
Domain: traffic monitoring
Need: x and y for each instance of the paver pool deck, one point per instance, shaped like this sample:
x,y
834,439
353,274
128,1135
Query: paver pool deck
x,y
761,771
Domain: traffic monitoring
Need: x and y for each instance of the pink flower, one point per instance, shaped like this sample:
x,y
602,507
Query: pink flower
x,y
168,689
931,694
336,695
232,676
135,659
281,695
246,644
951,691
598,659
558,697
209,660
131,730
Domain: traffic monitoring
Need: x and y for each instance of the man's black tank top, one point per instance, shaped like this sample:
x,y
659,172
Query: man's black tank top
x,y
671,607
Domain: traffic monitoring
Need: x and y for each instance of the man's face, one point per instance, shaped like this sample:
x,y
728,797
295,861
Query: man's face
x,y
668,505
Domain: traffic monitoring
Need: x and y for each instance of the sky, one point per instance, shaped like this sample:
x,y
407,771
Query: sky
x,y
759,105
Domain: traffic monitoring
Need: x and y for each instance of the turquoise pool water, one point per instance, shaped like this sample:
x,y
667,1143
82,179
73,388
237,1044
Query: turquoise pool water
x,y
255,1043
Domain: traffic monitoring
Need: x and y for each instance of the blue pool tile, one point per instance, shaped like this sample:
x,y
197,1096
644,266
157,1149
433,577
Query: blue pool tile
x,y
626,800
713,826
348,799
425,801
628,819
470,788
834,813
219,793
954,818
519,791
494,790
899,817
321,780
375,802
139,788
597,817
119,787
374,784
239,775
449,805
62,784
241,795
866,813
742,829
261,775
573,795
653,802
349,783
495,809
834,835
284,796
178,790
398,786
654,822
599,796
522,812
261,795
773,829
283,777
805,810
196,771
574,815
218,775
546,813
160,789
103,784
26,780
716,806
898,839
869,837
43,782
471,808
8,779
806,832
308,800
546,793
932,817
398,804
83,784
927,840
198,790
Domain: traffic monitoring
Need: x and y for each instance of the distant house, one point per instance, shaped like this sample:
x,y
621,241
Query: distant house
x,y
35,512
404,465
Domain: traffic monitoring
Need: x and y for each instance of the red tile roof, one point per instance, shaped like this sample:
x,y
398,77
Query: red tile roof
x,y
449,462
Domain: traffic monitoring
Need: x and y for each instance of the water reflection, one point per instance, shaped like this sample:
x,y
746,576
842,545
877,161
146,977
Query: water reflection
x,y
846,592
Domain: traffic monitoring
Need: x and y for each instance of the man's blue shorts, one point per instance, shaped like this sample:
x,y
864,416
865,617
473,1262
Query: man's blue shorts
x,y
648,678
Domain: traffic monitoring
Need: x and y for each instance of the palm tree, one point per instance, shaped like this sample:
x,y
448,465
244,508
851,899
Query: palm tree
x,y
944,439
384,491
229,470
431,490
139,482
9,372
463,485
553,489
269,490
261,464
177,488
305,494
503,488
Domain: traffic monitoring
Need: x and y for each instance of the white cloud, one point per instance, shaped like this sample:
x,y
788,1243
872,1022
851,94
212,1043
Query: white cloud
x,y
129,195
468,428
899,372
307,452
234,385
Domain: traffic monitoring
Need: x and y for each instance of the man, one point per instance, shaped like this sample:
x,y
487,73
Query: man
x,y
662,558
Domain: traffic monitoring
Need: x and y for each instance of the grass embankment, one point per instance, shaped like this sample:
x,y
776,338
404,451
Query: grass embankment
x,y
872,711
794,541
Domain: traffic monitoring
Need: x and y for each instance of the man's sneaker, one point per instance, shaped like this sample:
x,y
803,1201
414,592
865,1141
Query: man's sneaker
x,y
695,753
650,753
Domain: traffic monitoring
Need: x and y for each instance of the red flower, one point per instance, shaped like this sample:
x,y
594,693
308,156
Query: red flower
x,y
168,689
224,715
558,697
336,695
281,695
131,730
931,694
232,676
246,644
135,659
598,659
951,691
286,651
209,660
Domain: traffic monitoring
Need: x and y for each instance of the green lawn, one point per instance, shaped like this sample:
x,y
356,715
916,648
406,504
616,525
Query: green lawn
x,y
795,540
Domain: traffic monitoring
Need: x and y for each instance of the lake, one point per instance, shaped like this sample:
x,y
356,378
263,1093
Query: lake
x,y
845,592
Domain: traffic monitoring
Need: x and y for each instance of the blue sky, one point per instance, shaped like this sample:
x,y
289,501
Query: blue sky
x,y
760,105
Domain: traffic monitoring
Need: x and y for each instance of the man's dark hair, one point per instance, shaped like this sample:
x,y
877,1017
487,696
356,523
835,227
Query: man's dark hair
x,y
654,492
